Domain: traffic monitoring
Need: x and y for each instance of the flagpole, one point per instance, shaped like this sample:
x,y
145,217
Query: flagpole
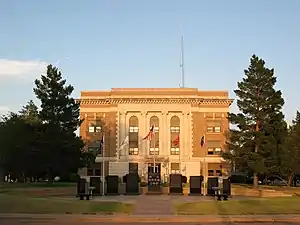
x,y
179,153
182,62
154,159
103,162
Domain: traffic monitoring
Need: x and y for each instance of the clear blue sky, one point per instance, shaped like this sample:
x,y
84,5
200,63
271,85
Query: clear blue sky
x,y
136,43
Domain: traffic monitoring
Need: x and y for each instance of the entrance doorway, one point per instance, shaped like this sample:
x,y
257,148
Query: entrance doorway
x,y
154,177
154,168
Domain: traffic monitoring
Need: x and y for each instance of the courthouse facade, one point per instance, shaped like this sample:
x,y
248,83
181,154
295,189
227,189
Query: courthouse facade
x,y
189,127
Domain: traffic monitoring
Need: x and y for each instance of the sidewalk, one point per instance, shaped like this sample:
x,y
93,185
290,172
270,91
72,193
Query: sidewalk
x,y
162,219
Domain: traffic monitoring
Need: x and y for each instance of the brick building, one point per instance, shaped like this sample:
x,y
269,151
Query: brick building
x,y
181,119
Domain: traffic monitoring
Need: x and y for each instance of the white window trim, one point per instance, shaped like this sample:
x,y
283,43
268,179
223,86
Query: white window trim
x,y
175,129
154,151
175,171
175,150
135,151
211,129
133,129
91,129
214,150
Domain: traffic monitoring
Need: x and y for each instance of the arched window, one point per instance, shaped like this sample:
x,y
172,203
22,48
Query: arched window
x,y
175,134
133,135
154,142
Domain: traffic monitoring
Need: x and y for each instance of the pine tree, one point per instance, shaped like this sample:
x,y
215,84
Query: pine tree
x,y
259,122
30,112
291,154
62,149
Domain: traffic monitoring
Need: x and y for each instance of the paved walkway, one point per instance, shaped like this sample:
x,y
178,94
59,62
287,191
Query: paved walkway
x,y
154,204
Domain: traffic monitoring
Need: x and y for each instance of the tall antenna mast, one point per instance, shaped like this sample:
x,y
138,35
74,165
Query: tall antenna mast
x,y
182,62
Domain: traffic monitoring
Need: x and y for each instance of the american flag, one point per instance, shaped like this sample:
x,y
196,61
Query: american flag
x,y
176,141
150,134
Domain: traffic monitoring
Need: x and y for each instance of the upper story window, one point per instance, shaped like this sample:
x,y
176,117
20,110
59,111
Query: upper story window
x,y
213,126
95,146
175,168
94,170
214,148
133,135
95,126
175,135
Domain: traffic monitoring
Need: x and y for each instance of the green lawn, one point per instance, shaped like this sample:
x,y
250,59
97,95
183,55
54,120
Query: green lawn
x,y
288,205
5,185
285,189
30,205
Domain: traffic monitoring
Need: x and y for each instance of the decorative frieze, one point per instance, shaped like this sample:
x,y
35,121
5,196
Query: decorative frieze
x,y
198,101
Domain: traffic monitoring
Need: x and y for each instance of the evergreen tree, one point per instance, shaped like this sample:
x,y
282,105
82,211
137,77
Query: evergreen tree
x,y
259,122
62,149
30,112
290,157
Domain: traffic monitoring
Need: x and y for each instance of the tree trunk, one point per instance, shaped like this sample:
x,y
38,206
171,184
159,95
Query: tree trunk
x,y
290,179
255,177
255,180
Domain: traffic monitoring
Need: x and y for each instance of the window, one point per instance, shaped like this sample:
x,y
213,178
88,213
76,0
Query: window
x,y
90,172
213,126
98,129
97,172
154,143
175,135
94,146
154,151
133,135
175,129
133,151
214,151
218,173
133,167
95,127
174,151
211,173
175,168
213,148
94,170
91,129
133,129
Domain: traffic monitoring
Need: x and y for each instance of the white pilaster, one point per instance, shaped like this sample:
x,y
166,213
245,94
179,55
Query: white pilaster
x,y
164,134
190,133
186,128
142,132
122,134
168,135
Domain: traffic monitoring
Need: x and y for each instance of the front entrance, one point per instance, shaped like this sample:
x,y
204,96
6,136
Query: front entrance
x,y
154,177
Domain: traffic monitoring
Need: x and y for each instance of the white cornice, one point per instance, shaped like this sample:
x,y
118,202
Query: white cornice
x,y
199,101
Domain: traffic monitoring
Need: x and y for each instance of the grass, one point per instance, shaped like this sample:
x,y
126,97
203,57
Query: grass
x,y
39,198
285,189
29,205
5,185
288,205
